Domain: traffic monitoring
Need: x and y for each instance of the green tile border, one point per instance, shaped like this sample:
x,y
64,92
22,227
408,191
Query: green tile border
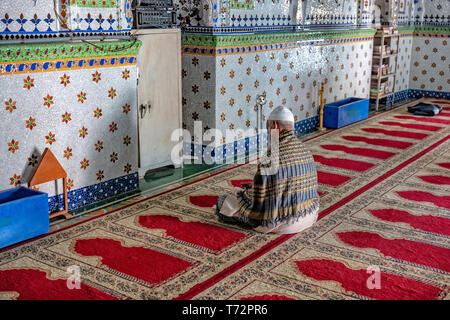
x,y
96,3
432,29
406,29
445,30
208,40
230,40
247,5
67,50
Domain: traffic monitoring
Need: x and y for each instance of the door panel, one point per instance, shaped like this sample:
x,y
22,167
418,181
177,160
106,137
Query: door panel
x,y
159,64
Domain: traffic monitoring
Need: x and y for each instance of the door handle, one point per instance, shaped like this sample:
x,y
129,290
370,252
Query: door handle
x,y
143,109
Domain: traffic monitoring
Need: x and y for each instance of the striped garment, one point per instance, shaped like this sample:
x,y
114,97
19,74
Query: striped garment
x,y
285,195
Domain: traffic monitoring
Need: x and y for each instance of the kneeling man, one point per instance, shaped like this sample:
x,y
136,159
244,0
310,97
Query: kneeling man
x,y
283,197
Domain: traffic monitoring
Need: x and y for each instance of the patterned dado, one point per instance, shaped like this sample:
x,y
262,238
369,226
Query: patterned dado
x,y
27,19
222,75
79,100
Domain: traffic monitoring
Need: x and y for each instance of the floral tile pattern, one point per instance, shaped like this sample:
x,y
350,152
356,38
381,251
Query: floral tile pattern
x,y
84,115
220,86
429,63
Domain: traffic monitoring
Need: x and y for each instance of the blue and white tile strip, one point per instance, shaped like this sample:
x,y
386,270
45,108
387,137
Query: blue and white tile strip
x,y
409,94
424,93
247,145
95,193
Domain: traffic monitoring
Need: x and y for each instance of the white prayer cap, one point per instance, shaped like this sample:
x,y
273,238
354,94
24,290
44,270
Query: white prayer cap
x,y
281,113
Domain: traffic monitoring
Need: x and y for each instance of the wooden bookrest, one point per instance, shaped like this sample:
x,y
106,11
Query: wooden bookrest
x,y
49,169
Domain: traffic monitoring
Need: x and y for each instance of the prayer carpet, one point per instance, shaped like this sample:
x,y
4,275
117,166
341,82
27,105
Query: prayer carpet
x,y
383,232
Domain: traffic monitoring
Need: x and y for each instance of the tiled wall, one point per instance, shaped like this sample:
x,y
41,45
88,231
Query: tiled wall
x,y
247,13
233,50
430,12
82,108
430,61
290,76
404,59
78,99
220,85
430,73
228,62
418,12
276,13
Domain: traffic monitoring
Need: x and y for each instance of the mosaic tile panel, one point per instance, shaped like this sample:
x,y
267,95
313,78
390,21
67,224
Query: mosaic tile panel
x,y
82,108
95,193
409,12
403,62
331,13
429,63
258,13
401,96
288,71
195,12
248,145
208,43
388,11
403,12
365,12
291,78
36,18
198,95
261,13
428,12
427,93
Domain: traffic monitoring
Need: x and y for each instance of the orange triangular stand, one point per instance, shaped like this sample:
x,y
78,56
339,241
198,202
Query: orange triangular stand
x,y
49,169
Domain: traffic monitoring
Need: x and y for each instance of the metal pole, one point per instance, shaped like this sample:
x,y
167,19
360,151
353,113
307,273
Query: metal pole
x,y
260,101
322,89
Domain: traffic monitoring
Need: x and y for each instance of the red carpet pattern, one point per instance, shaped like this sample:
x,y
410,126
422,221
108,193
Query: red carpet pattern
x,y
385,205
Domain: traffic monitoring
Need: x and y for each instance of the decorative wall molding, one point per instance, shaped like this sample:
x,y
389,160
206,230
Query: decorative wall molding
x,y
95,3
215,45
217,41
15,59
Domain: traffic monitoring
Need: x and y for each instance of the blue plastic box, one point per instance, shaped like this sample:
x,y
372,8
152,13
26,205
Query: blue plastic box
x,y
23,215
341,113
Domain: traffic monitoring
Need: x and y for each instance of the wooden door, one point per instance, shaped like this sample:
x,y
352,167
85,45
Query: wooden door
x,y
159,95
